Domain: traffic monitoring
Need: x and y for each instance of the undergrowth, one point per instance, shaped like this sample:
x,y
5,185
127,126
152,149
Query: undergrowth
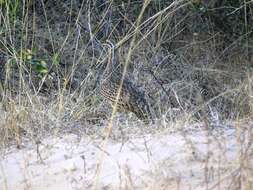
x,y
192,67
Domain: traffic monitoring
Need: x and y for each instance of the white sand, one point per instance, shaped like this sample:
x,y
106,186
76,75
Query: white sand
x,y
153,161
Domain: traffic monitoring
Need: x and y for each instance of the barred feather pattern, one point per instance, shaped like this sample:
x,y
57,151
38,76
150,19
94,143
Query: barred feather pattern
x,y
131,97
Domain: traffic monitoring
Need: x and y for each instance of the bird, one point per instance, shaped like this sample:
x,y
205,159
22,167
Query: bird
x,y
131,98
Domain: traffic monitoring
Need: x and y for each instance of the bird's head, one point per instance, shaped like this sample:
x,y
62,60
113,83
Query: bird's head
x,y
109,48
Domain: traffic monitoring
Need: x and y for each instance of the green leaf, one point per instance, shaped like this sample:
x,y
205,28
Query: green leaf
x,y
41,69
56,59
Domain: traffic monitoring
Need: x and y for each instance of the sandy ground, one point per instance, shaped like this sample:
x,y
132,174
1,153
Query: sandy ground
x,y
190,158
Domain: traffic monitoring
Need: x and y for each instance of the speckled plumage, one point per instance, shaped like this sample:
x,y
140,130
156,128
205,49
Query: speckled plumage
x,y
131,97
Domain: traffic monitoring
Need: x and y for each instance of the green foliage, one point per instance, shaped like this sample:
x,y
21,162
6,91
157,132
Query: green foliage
x,y
28,58
38,65
56,59
11,8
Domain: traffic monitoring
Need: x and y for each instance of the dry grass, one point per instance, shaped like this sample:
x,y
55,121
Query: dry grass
x,y
49,72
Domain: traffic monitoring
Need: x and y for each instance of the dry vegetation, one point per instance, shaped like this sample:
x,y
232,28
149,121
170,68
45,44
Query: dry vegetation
x,y
192,58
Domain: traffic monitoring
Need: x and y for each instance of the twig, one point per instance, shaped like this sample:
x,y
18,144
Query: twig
x,y
38,142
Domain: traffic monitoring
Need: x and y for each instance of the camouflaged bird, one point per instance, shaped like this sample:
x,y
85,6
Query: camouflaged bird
x,y
131,98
